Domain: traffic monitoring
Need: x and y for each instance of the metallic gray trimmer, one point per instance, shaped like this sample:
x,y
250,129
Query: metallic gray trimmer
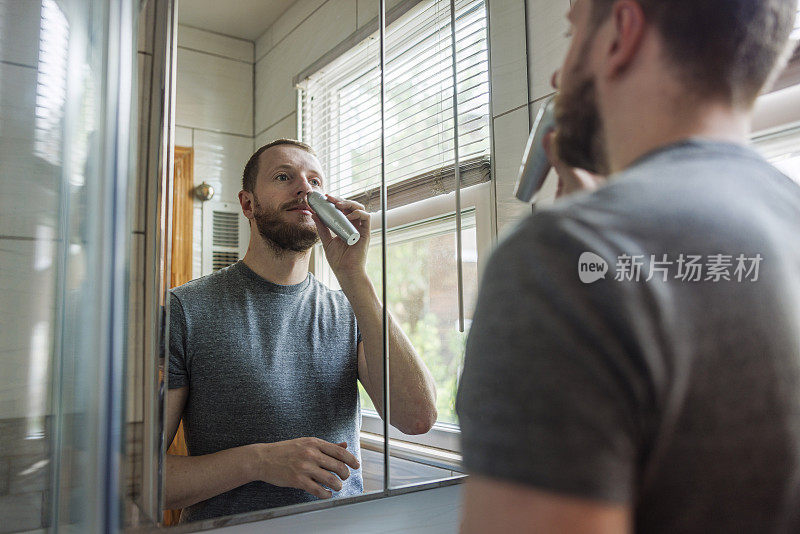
x,y
535,164
333,218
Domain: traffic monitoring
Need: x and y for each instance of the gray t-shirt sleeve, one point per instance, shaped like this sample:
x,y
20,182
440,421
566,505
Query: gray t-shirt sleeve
x,y
545,398
178,373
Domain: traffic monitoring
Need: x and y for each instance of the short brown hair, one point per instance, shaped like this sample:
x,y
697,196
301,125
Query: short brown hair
x,y
250,174
721,48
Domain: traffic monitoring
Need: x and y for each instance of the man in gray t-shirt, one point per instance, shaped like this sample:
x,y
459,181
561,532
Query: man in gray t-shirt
x,y
264,360
241,344
634,359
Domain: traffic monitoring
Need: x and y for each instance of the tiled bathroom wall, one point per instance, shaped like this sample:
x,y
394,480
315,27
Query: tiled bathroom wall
x,y
214,115
524,55
302,35
28,218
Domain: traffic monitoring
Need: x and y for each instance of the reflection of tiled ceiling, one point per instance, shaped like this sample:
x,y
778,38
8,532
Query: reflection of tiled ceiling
x,y
245,19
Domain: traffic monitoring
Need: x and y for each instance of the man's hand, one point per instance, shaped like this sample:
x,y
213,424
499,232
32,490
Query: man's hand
x,y
306,464
345,260
570,179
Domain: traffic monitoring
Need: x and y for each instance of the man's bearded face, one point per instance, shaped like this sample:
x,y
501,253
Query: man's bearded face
x,y
282,234
579,140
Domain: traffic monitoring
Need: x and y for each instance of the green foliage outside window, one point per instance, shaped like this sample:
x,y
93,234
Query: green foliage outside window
x,y
413,275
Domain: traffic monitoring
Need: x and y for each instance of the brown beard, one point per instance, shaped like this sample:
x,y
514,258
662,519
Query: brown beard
x,y
579,140
280,235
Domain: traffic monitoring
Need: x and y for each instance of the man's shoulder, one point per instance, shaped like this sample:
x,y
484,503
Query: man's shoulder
x,y
693,184
324,293
205,287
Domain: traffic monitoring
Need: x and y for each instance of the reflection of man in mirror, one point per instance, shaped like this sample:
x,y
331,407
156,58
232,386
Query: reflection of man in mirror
x,y
659,404
265,360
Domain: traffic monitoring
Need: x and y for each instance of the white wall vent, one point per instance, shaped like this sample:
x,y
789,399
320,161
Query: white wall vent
x,y
225,235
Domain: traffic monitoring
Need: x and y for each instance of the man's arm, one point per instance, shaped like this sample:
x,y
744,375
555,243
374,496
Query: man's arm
x,y
304,463
412,388
491,505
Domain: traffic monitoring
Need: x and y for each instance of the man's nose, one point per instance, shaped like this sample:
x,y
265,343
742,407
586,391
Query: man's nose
x,y
304,188
554,81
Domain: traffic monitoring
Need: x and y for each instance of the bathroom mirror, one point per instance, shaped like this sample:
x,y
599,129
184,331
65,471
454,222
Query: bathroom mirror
x,y
312,71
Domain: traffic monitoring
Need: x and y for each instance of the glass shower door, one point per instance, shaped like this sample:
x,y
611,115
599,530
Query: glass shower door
x,y
66,75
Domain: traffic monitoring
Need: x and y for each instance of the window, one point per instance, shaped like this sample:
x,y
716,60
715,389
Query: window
x,y
422,292
340,105
421,271
340,117
782,149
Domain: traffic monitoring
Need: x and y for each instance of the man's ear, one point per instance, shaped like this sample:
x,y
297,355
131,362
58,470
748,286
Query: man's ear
x,y
246,201
627,25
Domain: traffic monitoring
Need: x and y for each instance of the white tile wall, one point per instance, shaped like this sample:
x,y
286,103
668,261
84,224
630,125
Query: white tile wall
x,y
264,43
17,102
183,136
214,93
28,198
219,160
368,10
321,31
294,16
511,133
209,111
19,31
509,67
27,287
213,43
285,128
547,25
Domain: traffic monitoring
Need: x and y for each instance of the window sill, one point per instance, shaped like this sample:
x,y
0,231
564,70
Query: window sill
x,y
413,452
444,436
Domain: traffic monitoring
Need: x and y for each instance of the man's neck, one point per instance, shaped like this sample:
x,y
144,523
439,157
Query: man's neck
x,y
282,267
630,137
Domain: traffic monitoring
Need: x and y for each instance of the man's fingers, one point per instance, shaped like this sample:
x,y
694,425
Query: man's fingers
x,y
340,453
316,490
570,179
326,478
323,231
334,465
346,205
358,214
363,219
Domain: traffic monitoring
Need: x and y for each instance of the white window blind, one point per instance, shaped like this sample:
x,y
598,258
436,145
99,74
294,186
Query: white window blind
x,y
341,107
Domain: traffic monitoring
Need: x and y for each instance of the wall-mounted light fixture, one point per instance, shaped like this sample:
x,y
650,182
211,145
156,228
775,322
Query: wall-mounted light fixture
x,y
204,192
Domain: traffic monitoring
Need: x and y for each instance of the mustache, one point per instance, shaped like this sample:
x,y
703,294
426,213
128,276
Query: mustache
x,y
295,204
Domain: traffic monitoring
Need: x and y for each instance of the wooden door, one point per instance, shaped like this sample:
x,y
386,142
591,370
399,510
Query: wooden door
x,y
181,268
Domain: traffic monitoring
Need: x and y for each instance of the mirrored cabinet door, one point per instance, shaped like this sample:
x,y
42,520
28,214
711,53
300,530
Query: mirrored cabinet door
x,y
437,92
244,360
